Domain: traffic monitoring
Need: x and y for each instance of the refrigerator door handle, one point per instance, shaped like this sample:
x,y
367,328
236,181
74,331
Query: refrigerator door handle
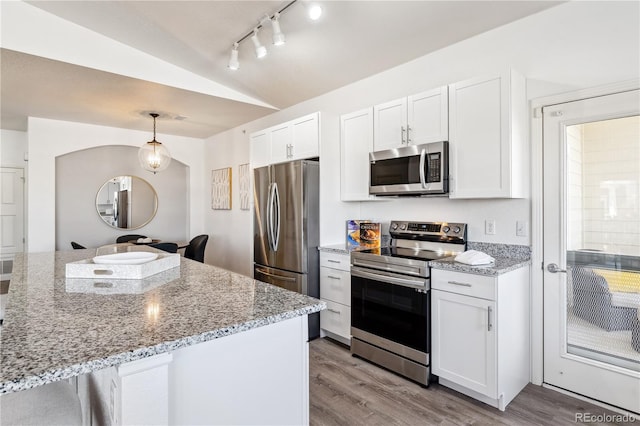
x,y
276,230
270,216
280,277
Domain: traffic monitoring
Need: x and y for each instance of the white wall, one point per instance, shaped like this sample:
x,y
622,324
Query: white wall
x,y
48,139
571,46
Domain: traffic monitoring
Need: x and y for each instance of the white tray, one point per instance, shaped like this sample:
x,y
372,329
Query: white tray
x,y
88,269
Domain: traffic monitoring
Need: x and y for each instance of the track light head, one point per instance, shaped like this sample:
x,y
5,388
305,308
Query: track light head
x,y
261,51
233,59
315,11
278,37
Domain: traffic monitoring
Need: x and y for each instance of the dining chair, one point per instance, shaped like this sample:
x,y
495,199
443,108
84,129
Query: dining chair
x,y
195,249
168,247
129,237
77,246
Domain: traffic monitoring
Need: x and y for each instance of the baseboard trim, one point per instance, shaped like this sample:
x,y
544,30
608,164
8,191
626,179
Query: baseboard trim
x,y
592,401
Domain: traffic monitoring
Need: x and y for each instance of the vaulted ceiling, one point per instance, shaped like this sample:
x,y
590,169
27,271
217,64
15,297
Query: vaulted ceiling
x,y
123,59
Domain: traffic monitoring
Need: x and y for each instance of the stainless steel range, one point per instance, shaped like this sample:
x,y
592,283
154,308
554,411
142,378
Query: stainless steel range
x,y
391,297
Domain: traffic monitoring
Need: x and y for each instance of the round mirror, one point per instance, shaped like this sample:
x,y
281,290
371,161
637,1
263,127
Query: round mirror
x,y
126,202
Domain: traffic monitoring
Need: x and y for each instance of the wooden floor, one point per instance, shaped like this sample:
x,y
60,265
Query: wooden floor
x,y
344,390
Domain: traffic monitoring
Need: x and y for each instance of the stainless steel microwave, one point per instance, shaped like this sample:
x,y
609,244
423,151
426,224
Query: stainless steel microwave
x,y
410,170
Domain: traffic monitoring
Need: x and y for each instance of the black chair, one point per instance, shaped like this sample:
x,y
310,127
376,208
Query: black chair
x,y
168,247
77,246
195,249
129,237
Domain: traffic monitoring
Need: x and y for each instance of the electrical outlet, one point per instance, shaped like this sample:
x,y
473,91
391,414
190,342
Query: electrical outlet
x,y
522,228
490,227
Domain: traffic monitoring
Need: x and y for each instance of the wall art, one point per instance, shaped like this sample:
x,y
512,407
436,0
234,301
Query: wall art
x,y
221,189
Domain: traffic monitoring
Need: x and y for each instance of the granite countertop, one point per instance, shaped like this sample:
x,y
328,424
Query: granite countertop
x,y
501,266
341,248
53,330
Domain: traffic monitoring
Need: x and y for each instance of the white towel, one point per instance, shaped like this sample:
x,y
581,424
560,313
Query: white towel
x,y
474,257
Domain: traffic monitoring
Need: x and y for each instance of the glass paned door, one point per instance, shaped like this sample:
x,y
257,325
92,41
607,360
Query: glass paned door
x,y
603,240
592,248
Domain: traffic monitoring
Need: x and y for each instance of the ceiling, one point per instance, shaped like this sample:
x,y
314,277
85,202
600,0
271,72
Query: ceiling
x,y
352,40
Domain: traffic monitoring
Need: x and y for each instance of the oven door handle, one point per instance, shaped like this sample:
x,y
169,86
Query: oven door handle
x,y
405,282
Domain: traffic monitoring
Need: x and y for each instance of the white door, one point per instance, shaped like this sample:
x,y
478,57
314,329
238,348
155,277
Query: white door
x,y
11,217
592,242
390,125
464,341
428,117
305,137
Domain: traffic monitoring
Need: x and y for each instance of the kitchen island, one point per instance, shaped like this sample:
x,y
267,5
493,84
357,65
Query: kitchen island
x,y
194,344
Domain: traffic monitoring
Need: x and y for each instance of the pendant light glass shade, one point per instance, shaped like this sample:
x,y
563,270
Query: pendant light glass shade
x,y
154,156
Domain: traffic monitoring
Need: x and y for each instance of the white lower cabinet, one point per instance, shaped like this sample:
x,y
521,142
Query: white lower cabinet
x,y
480,333
335,290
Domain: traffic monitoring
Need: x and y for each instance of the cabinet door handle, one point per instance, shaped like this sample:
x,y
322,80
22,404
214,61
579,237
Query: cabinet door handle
x,y
459,283
408,134
489,326
333,310
402,133
333,261
333,277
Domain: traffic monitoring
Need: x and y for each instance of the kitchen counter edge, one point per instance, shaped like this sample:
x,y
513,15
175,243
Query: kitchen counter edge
x,y
500,267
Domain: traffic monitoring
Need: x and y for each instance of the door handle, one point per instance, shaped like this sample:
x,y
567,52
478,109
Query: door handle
x,y
276,230
554,269
280,277
408,134
423,181
489,325
402,133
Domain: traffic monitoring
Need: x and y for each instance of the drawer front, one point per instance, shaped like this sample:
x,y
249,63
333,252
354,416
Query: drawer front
x,y
335,260
463,283
335,285
336,319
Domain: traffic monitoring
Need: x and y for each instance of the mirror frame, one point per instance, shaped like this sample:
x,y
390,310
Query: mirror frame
x,y
111,180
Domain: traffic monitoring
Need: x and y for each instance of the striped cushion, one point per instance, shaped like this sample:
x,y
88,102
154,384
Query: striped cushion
x,y
620,281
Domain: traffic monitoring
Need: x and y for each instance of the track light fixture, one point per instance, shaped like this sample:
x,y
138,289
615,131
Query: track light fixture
x,y
260,51
278,37
233,60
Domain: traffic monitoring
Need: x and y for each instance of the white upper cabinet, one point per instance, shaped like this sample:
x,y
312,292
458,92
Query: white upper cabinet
x,y
280,143
356,141
428,117
414,120
305,136
294,140
487,137
260,148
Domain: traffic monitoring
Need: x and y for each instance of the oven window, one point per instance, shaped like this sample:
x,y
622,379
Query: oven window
x,y
396,171
397,313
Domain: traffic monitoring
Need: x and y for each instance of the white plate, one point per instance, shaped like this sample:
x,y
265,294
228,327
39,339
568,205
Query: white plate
x,y
128,258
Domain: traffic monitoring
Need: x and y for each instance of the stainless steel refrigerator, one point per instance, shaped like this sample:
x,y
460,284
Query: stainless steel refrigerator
x,y
286,229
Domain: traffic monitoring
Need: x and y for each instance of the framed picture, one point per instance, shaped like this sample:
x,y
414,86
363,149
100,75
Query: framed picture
x,y
221,189
243,182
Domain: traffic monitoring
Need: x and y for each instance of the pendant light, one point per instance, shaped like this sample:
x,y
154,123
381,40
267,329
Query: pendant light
x,y
154,156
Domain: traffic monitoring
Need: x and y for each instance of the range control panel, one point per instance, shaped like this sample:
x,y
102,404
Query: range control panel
x,y
428,230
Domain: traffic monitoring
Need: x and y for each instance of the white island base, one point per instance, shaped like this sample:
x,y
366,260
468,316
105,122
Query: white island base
x,y
259,376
